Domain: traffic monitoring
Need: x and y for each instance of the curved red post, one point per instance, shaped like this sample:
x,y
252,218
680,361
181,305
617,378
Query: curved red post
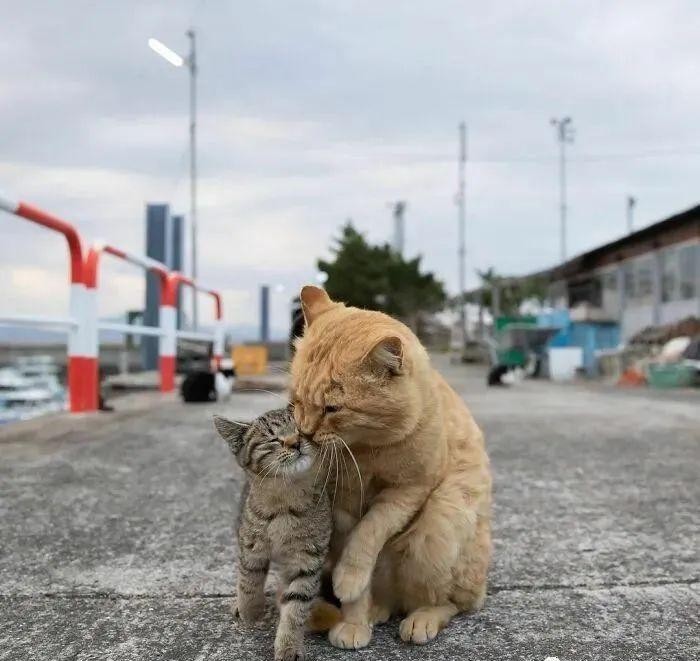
x,y
168,322
75,244
82,364
83,381
172,285
92,264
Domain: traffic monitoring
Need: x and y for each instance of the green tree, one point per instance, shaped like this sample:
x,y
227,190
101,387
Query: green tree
x,y
375,277
512,291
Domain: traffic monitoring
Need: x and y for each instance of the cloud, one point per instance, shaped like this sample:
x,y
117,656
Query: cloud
x,y
315,112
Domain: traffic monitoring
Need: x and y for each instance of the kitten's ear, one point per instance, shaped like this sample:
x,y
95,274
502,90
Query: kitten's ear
x,y
231,431
314,302
388,355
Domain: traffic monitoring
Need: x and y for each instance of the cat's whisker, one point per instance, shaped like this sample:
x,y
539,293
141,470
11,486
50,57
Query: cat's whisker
x,y
269,392
281,370
266,473
359,475
342,481
328,474
320,464
335,486
318,471
345,466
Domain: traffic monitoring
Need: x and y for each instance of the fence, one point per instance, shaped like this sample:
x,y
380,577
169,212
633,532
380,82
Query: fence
x,y
82,325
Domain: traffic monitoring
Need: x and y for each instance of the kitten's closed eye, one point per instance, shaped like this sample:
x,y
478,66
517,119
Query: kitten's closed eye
x,y
331,409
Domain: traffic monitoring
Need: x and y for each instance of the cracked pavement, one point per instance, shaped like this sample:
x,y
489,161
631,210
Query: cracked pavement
x,y
117,532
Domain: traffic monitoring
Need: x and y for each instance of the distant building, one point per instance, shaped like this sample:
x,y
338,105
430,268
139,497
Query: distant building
x,y
649,277
164,242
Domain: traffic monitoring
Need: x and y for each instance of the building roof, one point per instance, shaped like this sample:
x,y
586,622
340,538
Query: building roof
x,y
674,229
680,227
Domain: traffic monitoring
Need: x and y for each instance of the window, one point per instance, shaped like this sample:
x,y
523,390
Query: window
x,y
639,280
669,275
680,270
645,279
687,271
610,280
629,281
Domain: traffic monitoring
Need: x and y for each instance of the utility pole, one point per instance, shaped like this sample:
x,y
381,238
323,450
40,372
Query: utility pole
x,y
565,135
192,65
631,203
399,208
461,250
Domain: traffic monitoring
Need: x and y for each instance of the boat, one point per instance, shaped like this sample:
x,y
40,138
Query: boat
x,y
29,389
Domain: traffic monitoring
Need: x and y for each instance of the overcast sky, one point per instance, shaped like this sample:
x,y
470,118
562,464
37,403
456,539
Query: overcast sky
x,y
312,112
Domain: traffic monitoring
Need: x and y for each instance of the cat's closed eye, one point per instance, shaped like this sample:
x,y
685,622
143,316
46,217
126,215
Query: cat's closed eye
x,y
331,409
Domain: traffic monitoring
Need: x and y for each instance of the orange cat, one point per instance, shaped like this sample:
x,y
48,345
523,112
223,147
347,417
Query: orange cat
x,y
362,383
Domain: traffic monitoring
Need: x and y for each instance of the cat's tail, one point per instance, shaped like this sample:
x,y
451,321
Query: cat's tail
x,y
324,616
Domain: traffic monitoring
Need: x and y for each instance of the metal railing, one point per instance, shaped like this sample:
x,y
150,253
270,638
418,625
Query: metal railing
x,y
82,324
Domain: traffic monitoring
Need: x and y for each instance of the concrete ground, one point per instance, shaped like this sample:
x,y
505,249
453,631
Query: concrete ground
x,y
117,533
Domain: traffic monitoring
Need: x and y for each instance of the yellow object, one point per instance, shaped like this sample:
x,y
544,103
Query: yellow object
x,y
249,359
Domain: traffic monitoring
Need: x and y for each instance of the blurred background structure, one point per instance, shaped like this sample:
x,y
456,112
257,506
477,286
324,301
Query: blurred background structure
x,y
277,144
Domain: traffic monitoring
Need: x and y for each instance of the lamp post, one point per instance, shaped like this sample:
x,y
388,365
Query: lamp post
x,y
191,62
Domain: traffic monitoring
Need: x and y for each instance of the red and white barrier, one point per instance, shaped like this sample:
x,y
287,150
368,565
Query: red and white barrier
x,y
168,322
82,323
82,372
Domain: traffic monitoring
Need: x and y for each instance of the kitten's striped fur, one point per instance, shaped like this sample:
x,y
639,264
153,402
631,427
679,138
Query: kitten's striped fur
x,y
285,518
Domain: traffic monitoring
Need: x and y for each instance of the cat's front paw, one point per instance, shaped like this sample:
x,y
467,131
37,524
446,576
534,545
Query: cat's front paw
x,y
349,636
251,614
350,580
289,649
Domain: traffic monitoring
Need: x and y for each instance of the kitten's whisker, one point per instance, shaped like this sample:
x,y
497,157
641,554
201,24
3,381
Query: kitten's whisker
x,y
266,473
359,475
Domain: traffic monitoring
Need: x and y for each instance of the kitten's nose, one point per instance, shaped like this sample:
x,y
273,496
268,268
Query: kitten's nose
x,y
293,442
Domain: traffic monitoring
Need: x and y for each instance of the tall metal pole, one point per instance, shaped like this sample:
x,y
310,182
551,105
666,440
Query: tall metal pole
x,y
565,135
631,202
461,202
399,208
562,199
192,63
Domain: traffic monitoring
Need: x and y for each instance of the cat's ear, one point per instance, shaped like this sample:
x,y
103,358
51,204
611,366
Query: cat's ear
x,y
388,355
314,302
231,431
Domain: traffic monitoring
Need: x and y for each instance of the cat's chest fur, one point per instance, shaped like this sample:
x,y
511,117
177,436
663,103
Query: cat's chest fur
x,y
285,518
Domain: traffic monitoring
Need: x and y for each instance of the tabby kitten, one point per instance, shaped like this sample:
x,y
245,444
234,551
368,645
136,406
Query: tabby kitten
x,y
285,518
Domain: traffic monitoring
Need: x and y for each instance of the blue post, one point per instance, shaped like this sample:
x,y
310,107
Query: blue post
x,y
264,313
157,231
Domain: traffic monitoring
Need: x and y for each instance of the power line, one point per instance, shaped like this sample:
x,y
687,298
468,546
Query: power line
x,y
590,158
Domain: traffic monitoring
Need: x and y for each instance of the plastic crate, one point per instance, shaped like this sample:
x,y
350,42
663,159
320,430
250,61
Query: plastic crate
x,y
672,376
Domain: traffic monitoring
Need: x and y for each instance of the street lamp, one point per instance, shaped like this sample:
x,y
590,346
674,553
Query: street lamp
x,y
191,62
